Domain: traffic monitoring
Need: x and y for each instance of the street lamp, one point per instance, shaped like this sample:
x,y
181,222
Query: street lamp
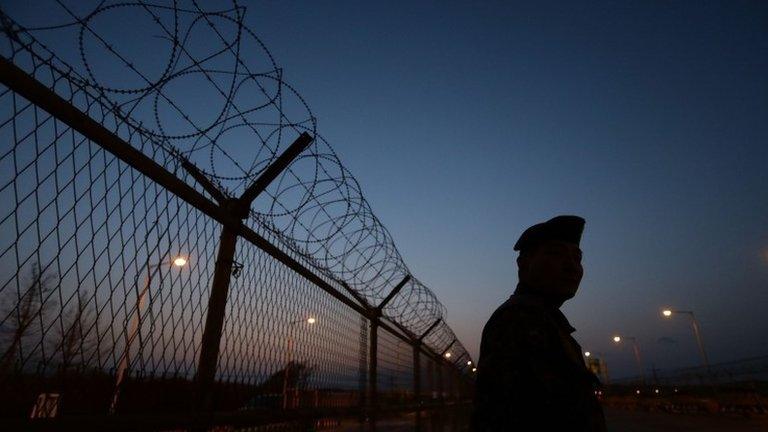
x,y
122,367
696,331
618,339
289,358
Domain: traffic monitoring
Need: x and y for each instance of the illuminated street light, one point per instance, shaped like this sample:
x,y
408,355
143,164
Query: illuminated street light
x,y
587,354
636,349
130,334
310,320
696,331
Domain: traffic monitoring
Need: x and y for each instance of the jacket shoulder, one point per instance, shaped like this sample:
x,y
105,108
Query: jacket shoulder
x,y
514,313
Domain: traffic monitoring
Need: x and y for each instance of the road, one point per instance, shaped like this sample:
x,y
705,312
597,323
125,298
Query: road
x,y
618,421
633,421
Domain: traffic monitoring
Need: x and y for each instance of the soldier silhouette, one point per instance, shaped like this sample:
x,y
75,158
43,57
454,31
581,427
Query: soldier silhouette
x,y
531,374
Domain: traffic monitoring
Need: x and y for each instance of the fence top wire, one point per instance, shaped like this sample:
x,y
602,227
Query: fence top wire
x,y
203,88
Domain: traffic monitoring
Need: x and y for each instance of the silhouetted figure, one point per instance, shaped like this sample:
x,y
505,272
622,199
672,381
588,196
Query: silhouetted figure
x,y
531,374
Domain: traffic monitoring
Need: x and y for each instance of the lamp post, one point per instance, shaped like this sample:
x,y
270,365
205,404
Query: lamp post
x,y
667,313
133,330
618,339
289,357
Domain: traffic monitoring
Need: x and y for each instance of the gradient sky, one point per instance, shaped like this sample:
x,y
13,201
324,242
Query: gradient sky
x,y
465,123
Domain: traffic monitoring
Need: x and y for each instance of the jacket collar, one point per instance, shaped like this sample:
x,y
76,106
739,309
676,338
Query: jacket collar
x,y
523,296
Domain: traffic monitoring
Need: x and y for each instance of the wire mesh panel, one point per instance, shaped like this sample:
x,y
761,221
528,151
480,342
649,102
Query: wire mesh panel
x,y
395,369
429,378
286,344
87,251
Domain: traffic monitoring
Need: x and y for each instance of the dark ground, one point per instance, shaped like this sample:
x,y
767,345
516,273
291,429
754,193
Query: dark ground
x,y
618,421
635,421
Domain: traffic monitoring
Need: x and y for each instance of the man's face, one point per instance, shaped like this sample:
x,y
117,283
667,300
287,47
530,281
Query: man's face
x,y
553,269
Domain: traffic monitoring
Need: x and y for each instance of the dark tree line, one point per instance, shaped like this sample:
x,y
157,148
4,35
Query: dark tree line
x,y
71,337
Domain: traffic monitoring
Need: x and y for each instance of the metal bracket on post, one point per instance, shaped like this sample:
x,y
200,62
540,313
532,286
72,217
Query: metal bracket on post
x,y
203,181
360,299
393,293
238,208
429,330
278,166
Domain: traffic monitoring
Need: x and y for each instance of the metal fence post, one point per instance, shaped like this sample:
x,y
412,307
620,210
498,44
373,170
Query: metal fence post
x,y
373,355
372,403
363,361
209,349
440,380
217,302
417,371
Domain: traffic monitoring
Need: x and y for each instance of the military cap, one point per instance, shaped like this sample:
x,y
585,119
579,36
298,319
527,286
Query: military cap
x,y
561,228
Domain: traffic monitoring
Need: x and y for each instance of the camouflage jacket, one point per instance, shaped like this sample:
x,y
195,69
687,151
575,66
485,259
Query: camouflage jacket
x,y
531,374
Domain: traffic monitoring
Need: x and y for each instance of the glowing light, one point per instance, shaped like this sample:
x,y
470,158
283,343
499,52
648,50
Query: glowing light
x,y
666,313
617,339
469,363
474,369
587,354
656,391
637,391
447,355
311,320
180,261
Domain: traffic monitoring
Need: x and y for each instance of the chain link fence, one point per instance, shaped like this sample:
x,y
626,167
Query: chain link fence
x,y
179,247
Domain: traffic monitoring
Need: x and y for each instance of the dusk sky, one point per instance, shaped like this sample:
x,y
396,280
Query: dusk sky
x,y
465,123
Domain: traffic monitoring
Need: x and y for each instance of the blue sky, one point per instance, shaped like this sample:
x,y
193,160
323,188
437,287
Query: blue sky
x,y
465,123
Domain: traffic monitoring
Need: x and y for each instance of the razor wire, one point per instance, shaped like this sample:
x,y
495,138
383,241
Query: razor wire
x,y
143,75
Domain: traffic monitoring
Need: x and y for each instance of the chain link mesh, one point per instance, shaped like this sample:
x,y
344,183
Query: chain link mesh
x,y
96,310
